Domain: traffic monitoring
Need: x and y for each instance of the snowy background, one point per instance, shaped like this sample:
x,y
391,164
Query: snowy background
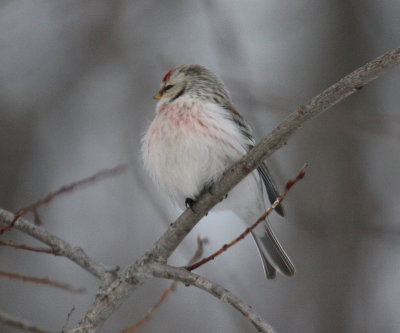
x,y
76,86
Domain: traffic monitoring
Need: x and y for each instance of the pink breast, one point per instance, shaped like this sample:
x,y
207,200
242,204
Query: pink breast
x,y
190,119
186,116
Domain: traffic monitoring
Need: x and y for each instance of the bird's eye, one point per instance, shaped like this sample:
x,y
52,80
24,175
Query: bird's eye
x,y
168,87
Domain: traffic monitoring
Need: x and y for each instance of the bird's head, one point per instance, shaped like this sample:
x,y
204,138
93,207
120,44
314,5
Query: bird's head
x,y
192,81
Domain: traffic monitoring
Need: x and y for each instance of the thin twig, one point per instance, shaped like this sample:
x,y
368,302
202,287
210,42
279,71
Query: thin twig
x,y
103,174
46,281
224,248
67,319
17,323
135,326
28,248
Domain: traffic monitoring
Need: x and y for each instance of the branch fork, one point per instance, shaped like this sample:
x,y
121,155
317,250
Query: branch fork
x,y
152,264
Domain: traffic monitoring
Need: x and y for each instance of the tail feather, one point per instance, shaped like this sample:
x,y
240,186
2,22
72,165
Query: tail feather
x,y
272,254
269,270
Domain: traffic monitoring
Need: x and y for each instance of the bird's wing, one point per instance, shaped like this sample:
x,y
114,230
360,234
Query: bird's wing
x,y
262,169
269,183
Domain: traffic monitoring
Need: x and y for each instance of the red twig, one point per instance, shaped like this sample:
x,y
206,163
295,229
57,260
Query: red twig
x,y
199,252
20,324
67,319
27,247
289,185
63,190
46,281
149,313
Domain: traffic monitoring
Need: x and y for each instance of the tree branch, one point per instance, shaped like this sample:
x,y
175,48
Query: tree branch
x,y
102,174
351,83
28,248
197,256
188,278
59,246
19,324
135,274
248,230
47,281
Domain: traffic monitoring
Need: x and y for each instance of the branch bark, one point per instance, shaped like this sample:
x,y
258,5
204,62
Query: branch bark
x,y
59,246
135,274
197,256
115,291
276,139
188,278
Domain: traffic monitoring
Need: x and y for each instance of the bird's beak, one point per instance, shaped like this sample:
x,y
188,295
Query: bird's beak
x,y
158,95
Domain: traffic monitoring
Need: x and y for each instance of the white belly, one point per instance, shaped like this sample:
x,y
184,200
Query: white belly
x,y
186,151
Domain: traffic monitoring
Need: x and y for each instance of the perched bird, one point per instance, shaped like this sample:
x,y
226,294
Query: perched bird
x,y
195,136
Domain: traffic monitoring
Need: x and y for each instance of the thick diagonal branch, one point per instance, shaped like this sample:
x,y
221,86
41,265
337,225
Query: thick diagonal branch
x,y
106,303
276,139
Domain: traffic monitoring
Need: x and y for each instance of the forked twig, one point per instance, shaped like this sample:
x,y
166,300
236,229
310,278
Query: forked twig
x,y
61,247
199,252
193,264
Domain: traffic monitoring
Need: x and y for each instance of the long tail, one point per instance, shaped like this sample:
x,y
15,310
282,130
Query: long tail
x,y
272,254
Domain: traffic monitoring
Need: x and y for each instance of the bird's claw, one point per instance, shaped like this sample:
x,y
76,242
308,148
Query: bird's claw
x,y
189,202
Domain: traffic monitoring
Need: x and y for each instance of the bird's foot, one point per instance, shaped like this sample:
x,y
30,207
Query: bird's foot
x,y
189,203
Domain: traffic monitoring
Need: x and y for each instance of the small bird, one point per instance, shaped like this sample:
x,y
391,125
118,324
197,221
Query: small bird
x,y
195,136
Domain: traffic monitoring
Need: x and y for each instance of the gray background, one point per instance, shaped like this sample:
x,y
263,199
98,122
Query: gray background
x,y
76,81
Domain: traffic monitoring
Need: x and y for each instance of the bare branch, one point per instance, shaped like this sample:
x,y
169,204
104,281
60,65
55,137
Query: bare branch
x,y
189,278
67,319
135,326
199,252
245,233
46,281
20,324
193,265
111,297
28,248
63,190
59,246
276,139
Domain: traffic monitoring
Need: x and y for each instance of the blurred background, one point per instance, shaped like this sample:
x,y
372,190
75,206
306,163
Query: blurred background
x,y
76,86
